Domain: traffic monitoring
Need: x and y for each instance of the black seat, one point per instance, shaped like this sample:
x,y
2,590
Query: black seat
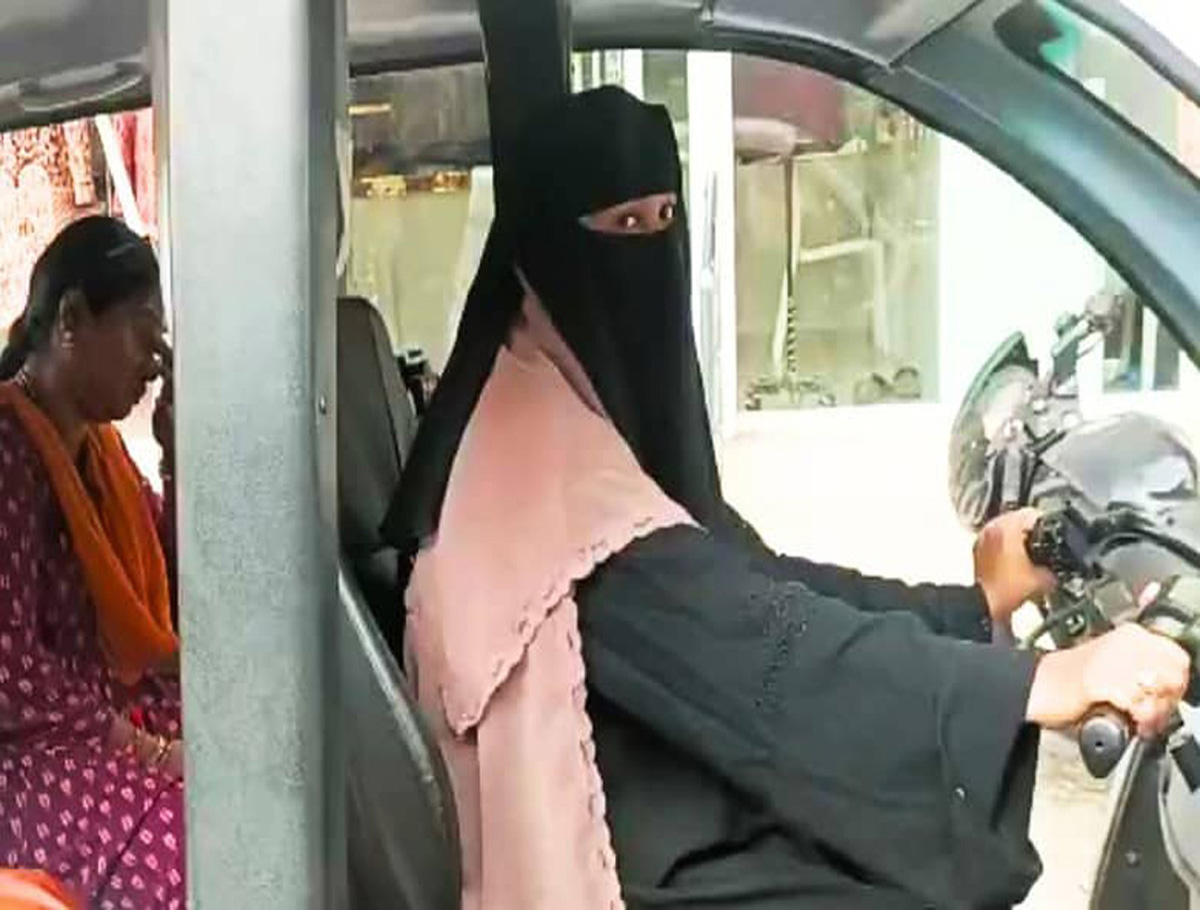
x,y
376,423
401,823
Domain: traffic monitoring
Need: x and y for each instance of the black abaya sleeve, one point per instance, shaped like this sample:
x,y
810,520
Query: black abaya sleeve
x,y
903,755
959,611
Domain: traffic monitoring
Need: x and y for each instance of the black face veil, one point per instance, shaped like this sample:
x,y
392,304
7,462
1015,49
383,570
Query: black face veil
x,y
622,303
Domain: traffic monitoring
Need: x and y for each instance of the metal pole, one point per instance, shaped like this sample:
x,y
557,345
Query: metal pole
x,y
250,92
711,180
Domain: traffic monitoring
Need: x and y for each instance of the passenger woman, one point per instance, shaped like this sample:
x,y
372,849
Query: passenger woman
x,y
91,787
640,704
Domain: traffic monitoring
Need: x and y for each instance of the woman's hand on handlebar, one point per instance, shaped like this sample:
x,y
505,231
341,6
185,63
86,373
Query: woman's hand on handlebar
x,y
1003,569
1141,674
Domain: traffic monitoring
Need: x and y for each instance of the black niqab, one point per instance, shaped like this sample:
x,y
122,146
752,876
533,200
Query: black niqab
x,y
622,303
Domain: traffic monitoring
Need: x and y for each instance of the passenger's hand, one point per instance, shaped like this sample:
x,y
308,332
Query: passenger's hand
x,y
172,763
122,734
1003,568
150,751
163,422
1139,673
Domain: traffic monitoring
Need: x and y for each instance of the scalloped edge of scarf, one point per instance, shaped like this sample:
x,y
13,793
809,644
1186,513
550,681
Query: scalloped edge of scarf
x,y
462,718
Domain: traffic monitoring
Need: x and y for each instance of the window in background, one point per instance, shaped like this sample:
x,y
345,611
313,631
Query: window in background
x,y
1094,61
1141,354
837,255
421,199
53,175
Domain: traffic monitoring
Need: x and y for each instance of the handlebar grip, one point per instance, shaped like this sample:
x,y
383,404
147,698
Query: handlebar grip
x,y
1103,737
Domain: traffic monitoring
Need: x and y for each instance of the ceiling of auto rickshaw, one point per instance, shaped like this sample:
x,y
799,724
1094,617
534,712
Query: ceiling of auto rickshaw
x,y
59,57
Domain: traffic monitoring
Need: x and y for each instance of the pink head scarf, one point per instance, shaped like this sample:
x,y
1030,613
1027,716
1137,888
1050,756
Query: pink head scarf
x,y
543,490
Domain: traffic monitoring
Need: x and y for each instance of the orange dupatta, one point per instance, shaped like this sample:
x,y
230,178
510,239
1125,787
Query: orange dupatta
x,y
30,889
114,538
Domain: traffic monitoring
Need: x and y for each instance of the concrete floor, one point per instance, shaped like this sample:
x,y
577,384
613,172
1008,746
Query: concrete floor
x,y
1069,818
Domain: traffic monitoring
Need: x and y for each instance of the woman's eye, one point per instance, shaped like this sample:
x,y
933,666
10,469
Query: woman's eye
x,y
629,221
667,212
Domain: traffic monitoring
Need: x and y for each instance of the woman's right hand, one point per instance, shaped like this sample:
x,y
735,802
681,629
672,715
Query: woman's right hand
x,y
1139,673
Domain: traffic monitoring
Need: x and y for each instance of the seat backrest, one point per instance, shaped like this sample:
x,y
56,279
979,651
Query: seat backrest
x,y
376,423
401,823
401,826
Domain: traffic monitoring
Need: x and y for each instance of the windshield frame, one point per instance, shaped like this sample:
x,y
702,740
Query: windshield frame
x,y
1125,33
1129,28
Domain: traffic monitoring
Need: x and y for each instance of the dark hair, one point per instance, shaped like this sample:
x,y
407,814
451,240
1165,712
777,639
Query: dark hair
x,y
98,256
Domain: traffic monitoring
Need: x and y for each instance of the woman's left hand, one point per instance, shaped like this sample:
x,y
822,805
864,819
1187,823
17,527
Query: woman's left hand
x,y
1003,568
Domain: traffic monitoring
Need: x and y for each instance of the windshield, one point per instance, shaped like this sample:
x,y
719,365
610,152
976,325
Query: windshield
x,y
1095,61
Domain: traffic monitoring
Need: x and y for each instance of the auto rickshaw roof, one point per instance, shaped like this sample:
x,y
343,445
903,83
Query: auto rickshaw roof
x,y
62,58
